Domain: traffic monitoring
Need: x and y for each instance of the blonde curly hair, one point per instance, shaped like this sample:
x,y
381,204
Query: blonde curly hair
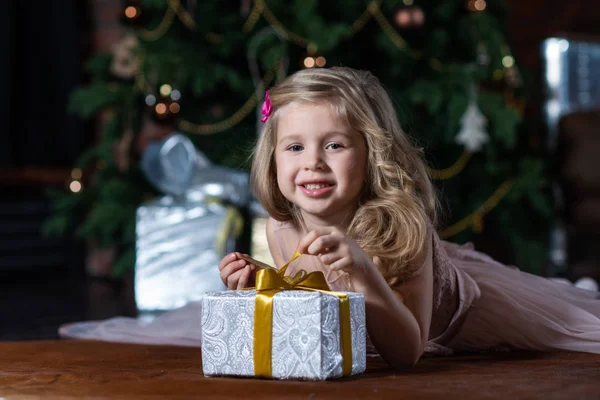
x,y
398,202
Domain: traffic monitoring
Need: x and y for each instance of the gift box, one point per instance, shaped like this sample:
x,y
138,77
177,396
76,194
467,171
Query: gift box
x,y
306,335
179,243
182,236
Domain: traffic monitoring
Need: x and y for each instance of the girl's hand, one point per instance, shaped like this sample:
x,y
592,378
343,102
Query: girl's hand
x,y
335,249
235,272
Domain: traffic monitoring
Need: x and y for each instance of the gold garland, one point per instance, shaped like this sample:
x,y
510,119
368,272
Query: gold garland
x,y
234,119
206,129
476,218
400,43
452,171
140,80
301,41
385,26
182,14
254,16
161,29
174,8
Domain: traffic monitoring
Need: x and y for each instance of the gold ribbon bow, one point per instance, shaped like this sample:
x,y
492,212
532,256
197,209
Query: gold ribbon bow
x,y
270,281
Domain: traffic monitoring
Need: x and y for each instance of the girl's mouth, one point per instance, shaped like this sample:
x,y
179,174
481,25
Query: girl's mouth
x,y
316,189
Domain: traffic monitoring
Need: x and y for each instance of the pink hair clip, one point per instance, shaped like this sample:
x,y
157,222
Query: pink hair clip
x,y
267,107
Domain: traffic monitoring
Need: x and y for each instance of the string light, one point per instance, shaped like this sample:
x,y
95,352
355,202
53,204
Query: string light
x,y
418,16
175,95
75,186
132,12
309,62
160,108
407,17
174,108
476,5
165,90
508,61
402,17
150,100
76,173
312,62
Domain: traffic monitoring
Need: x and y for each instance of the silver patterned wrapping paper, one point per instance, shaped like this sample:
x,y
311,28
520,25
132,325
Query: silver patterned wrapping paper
x,y
177,253
306,334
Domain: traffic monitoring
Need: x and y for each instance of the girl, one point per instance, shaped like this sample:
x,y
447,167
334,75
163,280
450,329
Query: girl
x,y
344,185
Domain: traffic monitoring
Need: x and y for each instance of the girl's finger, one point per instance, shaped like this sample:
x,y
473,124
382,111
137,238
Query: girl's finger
x,y
343,264
231,268
311,237
226,260
243,281
323,244
329,258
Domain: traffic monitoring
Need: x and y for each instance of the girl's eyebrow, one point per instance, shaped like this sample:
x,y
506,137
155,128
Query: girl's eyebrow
x,y
289,138
298,137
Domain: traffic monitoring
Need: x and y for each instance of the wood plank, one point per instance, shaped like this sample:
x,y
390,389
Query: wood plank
x,y
82,369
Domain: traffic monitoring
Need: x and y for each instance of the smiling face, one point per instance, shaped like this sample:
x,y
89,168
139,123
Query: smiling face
x,y
320,162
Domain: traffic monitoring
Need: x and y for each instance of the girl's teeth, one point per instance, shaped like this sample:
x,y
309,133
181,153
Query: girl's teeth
x,y
315,186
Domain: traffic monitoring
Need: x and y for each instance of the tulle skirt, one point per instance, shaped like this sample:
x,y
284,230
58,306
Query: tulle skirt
x,y
520,310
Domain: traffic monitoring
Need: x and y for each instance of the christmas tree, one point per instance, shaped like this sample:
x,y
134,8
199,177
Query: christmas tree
x,y
203,67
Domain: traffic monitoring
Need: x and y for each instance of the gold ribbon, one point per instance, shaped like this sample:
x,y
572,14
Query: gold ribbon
x,y
270,281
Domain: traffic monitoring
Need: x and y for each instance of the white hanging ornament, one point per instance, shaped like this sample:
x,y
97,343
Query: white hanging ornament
x,y
472,134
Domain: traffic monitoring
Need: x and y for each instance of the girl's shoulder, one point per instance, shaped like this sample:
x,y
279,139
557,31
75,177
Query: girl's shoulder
x,y
283,238
286,228
279,225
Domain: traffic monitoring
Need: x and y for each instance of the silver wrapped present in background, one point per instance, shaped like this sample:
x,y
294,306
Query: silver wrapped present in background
x,y
572,77
305,336
572,83
181,237
179,245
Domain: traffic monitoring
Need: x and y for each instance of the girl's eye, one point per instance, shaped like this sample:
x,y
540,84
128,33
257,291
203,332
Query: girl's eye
x,y
295,147
334,146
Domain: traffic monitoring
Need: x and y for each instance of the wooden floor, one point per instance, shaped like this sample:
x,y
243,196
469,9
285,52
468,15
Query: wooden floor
x,y
34,365
85,369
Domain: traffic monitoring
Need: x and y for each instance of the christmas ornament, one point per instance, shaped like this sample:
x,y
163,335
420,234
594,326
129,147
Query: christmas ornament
x,y
124,63
513,77
472,134
483,58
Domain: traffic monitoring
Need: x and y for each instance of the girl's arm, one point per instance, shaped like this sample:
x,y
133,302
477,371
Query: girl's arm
x,y
398,319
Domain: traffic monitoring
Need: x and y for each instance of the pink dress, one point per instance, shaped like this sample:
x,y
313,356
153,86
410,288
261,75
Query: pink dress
x,y
479,304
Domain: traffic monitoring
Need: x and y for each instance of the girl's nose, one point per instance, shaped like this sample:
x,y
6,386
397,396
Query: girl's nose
x,y
314,161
